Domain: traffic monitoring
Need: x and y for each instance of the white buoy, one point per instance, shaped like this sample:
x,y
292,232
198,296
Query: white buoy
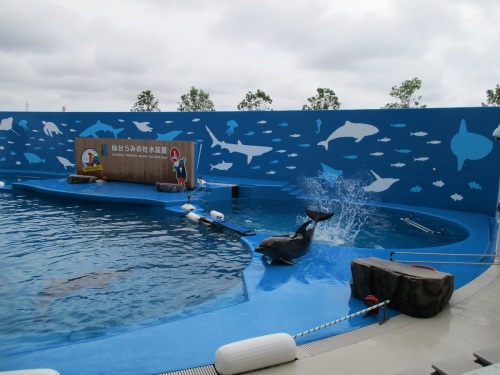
x,y
2,184
188,207
255,353
217,214
193,217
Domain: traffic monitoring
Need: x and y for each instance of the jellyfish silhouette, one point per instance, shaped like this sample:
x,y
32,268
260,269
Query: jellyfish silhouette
x,y
231,125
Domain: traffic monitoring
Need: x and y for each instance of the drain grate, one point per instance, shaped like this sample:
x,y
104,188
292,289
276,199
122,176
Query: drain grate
x,y
204,370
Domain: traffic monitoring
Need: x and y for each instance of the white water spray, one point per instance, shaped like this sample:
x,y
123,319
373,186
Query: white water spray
x,y
346,199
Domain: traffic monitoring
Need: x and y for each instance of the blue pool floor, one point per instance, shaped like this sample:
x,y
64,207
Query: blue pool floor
x,y
280,299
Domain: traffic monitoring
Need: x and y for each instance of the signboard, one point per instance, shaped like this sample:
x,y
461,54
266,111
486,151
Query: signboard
x,y
136,160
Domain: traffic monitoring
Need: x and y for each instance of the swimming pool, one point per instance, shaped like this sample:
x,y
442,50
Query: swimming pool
x,y
321,272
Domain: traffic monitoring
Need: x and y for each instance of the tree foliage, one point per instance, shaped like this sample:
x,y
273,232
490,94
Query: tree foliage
x,y
492,97
146,102
196,101
257,101
325,99
406,95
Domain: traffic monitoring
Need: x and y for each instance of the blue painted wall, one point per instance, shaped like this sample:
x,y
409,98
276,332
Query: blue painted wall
x,y
443,158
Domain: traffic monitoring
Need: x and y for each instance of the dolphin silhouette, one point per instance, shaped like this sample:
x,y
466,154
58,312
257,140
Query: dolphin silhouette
x,y
291,246
380,184
352,130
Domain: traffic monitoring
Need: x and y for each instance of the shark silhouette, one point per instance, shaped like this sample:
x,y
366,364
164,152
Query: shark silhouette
x,y
100,127
249,150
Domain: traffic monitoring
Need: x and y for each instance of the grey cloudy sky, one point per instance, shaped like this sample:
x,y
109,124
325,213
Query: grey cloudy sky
x,y
98,55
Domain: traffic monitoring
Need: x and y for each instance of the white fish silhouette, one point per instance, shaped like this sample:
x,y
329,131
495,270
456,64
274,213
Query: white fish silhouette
x,y
419,134
221,166
398,165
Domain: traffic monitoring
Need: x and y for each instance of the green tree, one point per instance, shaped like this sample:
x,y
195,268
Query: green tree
x,y
146,102
492,97
325,99
196,101
406,95
257,101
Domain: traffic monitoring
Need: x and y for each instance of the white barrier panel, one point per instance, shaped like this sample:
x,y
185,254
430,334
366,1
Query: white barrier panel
x,y
38,371
255,353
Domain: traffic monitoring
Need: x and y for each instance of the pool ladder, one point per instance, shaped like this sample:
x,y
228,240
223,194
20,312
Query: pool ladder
x,y
409,221
200,191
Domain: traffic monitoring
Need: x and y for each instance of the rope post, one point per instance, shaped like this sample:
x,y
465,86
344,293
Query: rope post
x,y
382,304
385,319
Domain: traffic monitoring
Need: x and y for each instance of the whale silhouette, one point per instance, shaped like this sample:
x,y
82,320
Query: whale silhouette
x,y
350,130
380,184
285,248
65,162
33,158
469,146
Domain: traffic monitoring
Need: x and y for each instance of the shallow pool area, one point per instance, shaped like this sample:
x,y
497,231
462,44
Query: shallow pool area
x,y
256,298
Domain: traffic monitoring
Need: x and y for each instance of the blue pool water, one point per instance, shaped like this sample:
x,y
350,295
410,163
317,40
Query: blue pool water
x,y
80,268
76,271
72,270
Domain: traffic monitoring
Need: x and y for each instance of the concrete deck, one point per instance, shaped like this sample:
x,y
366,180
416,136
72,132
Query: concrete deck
x,y
470,322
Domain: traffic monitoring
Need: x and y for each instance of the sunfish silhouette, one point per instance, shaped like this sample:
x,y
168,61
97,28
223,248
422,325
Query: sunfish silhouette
x,y
350,129
469,146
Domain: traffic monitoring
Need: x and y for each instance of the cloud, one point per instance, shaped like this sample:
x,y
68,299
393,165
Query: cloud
x,y
99,55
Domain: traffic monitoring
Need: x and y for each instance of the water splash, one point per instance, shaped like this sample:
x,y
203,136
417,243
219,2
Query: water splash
x,y
347,199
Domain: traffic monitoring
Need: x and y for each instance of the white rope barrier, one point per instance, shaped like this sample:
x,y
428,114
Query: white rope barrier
x,y
382,304
481,256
